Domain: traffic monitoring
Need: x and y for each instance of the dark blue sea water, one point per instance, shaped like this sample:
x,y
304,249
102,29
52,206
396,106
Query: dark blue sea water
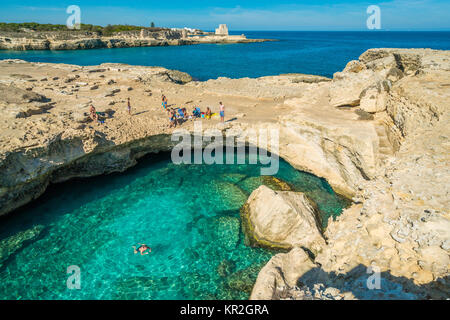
x,y
320,53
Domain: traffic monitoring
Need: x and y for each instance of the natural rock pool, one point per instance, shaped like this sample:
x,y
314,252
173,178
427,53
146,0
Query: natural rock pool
x,y
187,214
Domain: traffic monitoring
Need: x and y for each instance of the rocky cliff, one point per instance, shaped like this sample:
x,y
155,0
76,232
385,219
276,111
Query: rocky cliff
x,y
69,41
378,132
399,225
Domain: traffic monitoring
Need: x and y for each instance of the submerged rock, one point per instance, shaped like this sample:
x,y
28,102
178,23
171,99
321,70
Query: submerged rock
x,y
234,177
243,280
233,195
225,268
227,232
222,234
132,288
276,183
252,183
14,243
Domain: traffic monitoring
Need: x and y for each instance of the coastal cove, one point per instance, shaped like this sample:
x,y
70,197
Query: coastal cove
x,y
377,133
188,214
317,53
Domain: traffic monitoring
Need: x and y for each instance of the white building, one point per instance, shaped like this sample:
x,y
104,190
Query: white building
x,y
190,30
222,30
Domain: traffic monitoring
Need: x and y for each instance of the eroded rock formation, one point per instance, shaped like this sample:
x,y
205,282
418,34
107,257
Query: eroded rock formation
x,y
400,222
378,132
90,40
282,219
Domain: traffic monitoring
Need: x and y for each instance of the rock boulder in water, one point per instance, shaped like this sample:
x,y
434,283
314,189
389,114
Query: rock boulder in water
x,y
282,219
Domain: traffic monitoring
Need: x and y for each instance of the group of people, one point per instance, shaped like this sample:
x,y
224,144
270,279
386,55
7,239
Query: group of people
x,y
175,114
94,115
179,114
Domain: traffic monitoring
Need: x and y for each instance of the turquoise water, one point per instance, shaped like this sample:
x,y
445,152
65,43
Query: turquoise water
x,y
320,53
188,214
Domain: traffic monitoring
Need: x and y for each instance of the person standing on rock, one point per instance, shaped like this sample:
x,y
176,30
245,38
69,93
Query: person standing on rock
x,y
129,107
93,113
222,112
164,101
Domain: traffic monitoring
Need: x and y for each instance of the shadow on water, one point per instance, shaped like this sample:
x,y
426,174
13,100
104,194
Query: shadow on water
x,y
57,192
118,180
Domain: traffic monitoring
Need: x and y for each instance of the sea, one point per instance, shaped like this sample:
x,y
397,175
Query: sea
x,y
318,53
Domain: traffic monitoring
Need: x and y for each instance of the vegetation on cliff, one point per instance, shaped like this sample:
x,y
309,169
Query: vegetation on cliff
x,y
38,27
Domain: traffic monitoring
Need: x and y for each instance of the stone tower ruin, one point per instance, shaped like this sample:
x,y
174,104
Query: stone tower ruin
x,y
222,30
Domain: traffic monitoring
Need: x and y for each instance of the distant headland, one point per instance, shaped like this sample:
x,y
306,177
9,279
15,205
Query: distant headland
x,y
34,36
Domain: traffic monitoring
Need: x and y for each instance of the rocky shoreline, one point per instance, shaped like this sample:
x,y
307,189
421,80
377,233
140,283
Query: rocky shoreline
x,y
67,41
378,132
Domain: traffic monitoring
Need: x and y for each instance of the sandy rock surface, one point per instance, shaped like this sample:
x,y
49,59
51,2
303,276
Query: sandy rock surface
x,y
378,132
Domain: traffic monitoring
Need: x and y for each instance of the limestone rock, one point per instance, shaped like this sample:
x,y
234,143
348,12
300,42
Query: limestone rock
x,y
33,109
81,117
354,66
282,219
374,98
280,273
346,88
13,94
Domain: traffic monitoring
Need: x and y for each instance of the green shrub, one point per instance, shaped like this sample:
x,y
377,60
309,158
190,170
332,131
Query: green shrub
x,y
108,30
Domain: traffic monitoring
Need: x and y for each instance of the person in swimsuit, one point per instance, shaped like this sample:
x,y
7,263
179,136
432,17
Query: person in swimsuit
x,y
222,111
142,249
129,107
208,113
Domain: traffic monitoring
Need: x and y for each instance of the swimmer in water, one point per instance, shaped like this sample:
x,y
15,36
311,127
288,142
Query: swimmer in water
x,y
142,249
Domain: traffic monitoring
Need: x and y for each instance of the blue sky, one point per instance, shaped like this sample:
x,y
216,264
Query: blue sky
x,y
239,15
